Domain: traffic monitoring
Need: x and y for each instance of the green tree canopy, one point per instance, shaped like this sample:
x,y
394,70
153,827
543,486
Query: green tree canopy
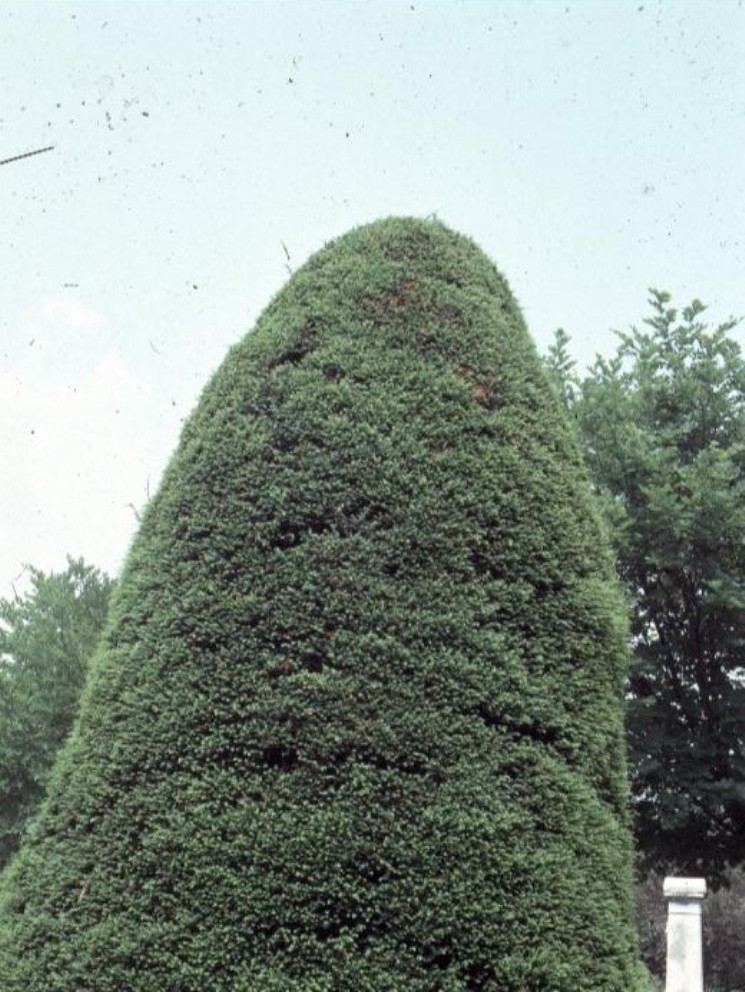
x,y
662,424
47,636
356,723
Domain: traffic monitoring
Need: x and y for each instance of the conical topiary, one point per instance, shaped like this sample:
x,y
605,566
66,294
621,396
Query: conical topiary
x,y
356,724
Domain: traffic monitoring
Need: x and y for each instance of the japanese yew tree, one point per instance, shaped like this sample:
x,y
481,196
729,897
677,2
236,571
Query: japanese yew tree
x,y
356,721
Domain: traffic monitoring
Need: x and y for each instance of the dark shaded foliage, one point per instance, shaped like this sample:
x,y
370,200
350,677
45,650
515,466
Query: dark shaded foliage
x,y
356,724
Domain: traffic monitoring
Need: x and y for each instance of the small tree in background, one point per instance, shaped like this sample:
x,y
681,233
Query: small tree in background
x,y
356,724
47,636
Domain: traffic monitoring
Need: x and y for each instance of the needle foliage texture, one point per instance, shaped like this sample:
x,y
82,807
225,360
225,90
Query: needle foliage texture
x,y
356,721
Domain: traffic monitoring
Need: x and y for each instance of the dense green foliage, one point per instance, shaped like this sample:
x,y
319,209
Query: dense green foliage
x,y
47,636
356,721
663,427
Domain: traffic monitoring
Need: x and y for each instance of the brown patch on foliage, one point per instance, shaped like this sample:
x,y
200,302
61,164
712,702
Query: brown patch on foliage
x,y
482,390
397,301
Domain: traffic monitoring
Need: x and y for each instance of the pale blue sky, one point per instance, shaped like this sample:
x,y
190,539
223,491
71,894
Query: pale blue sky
x,y
592,148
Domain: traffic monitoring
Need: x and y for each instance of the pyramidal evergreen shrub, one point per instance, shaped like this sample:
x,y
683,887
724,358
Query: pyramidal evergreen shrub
x,y
356,722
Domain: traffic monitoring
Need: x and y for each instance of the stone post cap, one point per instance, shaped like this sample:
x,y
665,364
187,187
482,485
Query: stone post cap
x,y
684,888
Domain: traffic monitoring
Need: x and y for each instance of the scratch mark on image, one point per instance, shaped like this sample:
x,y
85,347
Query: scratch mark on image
x,y
15,158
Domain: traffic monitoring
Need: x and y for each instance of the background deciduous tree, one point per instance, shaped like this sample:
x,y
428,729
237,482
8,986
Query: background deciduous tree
x,y
662,424
46,637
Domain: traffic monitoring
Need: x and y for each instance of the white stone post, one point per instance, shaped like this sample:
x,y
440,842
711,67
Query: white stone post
x,y
685,972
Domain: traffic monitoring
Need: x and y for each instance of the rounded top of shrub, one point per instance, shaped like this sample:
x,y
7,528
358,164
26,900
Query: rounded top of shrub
x,y
356,723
